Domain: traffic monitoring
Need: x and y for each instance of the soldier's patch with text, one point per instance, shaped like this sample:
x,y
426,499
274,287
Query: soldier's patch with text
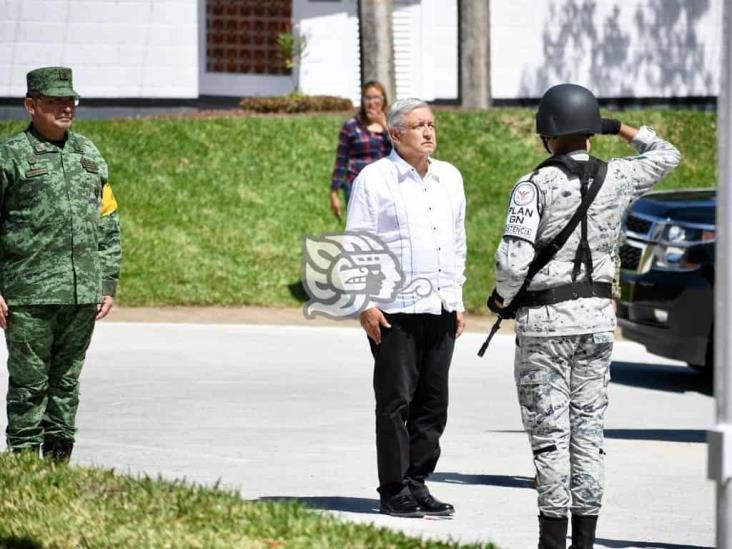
x,y
523,212
89,165
36,172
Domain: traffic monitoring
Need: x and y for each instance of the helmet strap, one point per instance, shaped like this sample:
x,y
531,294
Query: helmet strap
x,y
545,142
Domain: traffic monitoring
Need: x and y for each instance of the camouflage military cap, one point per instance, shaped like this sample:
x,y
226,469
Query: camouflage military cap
x,y
51,81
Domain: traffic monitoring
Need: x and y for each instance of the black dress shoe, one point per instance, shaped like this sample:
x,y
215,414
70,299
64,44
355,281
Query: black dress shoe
x,y
432,506
401,505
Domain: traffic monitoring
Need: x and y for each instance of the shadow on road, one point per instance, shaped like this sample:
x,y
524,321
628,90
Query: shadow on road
x,y
505,481
332,503
660,377
663,435
621,543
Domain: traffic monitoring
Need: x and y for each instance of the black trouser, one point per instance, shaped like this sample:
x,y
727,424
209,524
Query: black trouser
x,y
410,383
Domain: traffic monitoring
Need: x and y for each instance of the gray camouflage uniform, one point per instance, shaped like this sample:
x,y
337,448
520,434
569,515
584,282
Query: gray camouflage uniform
x,y
563,350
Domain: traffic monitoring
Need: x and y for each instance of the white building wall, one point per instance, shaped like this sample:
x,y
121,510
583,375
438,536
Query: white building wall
x,y
426,49
153,48
117,48
332,63
628,48
439,62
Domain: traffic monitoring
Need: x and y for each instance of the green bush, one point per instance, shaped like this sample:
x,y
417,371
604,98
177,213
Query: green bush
x,y
296,103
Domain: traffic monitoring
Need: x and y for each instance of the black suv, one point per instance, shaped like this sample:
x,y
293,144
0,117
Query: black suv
x,y
667,275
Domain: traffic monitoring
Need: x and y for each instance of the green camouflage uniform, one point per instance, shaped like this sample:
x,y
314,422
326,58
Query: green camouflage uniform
x,y
60,253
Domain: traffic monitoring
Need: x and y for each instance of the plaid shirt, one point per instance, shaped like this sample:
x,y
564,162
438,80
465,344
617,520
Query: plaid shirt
x,y
357,147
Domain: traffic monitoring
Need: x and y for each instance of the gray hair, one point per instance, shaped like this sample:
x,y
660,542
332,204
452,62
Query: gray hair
x,y
401,108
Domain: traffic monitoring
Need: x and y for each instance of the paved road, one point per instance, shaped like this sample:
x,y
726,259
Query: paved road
x,y
287,412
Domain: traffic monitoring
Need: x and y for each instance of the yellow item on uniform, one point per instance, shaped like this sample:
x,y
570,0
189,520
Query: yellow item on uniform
x,y
109,203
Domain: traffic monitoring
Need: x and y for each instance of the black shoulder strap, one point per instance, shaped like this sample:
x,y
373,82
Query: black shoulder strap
x,y
566,163
594,169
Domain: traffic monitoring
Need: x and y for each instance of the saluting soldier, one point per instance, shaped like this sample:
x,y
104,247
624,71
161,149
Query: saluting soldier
x,y
564,316
60,255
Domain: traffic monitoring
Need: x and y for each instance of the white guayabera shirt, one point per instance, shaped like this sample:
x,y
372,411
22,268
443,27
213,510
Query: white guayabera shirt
x,y
534,219
422,222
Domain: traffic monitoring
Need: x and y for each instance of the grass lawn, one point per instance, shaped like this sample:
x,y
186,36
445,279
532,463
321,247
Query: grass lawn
x,y
43,506
214,210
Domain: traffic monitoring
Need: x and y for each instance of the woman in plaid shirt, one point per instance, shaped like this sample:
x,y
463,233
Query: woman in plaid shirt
x,y
363,139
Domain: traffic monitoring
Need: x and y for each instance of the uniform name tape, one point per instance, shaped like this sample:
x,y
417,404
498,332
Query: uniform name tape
x,y
36,171
89,166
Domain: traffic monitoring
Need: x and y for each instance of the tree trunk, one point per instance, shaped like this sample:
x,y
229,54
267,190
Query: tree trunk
x,y
377,43
475,53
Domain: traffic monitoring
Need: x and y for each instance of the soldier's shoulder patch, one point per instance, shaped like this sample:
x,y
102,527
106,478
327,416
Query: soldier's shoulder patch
x,y
524,193
14,148
83,141
15,140
523,212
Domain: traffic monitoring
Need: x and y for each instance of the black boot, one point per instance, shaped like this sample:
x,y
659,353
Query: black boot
x,y
583,531
26,451
552,532
58,451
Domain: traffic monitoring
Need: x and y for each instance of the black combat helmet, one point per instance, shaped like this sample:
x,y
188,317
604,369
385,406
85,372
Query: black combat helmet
x,y
566,109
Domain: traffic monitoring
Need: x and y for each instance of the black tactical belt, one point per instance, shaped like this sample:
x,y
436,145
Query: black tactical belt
x,y
567,292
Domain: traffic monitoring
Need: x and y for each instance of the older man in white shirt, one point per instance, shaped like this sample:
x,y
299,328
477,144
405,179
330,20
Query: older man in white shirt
x,y
416,206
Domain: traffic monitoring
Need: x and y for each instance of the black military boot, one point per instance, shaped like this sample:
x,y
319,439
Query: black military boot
x,y
552,532
58,451
26,451
583,531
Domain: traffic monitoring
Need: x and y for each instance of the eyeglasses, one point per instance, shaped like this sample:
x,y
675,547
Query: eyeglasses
x,y
374,98
57,102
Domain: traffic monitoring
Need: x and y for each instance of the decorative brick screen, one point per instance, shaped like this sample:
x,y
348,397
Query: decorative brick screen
x,y
241,35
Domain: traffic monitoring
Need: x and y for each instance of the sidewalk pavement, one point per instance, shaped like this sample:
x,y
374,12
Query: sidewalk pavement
x,y
287,412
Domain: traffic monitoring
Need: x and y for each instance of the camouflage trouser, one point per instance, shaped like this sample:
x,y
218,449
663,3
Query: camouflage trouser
x,y
562,389
46,349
